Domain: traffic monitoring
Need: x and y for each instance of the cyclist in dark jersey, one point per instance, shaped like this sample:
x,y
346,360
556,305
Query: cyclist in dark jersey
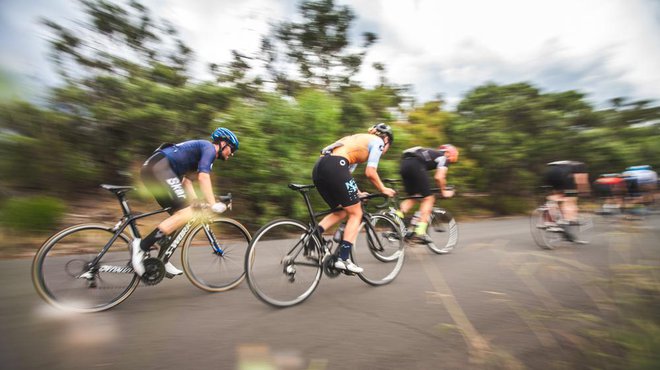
x,y
168,175
414,165
567,179
333,178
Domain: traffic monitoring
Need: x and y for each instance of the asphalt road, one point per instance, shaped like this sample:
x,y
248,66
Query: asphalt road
x,y
496,302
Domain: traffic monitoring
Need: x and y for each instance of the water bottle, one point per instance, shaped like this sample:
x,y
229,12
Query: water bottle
x,y
339,234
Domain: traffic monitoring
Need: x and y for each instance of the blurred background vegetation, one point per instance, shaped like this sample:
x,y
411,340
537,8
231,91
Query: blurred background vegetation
x,y
126,86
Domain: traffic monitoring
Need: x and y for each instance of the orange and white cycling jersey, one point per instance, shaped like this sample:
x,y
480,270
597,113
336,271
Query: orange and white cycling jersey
x,y
359,148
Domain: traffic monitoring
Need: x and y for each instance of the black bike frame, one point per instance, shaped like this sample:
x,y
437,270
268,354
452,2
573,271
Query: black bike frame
x,y
128,219
313,216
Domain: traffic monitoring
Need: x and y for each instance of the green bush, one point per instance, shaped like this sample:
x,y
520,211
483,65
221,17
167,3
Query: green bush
x,y
31,214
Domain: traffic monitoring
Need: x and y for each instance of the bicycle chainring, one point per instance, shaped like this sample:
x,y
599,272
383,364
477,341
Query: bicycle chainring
x,y
329,266
154,271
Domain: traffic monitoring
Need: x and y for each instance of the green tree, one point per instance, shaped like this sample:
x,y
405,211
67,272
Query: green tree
x,y
319,47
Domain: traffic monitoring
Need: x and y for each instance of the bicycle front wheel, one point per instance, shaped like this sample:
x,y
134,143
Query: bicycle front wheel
x,y
545,232
213,255
64,276
279,271
443,231
379,250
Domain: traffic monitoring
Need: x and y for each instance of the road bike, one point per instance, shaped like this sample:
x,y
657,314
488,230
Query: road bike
x,y
87,267
286,258
549,228
442,229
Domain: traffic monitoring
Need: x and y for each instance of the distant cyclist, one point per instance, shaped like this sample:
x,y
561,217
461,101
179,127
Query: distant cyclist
x,y
611,187
168,174
414,165
567,179
333,178
642,183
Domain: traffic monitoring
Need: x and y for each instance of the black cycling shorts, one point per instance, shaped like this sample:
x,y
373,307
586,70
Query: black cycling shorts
x,y
560,178
415,179
158,176
335,182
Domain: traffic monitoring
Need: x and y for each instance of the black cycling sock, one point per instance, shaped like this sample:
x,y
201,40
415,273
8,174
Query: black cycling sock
x,y
345,249
151,239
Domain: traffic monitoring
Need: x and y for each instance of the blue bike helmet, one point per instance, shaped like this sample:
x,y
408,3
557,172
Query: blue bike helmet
x,y
222,133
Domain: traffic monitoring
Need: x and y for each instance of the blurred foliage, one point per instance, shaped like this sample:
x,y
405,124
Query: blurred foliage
x,y
512,131
126,88
30,214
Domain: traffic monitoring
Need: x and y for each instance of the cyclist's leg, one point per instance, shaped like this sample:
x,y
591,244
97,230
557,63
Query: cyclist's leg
x,y
337,187
350,236
165,185
415,181
324,178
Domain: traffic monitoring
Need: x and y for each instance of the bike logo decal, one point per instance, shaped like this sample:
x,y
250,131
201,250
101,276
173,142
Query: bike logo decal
x,y
116,269
175,184
351,186
176,241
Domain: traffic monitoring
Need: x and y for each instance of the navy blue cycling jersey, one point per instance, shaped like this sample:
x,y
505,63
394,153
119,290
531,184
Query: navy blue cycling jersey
x,y
191,156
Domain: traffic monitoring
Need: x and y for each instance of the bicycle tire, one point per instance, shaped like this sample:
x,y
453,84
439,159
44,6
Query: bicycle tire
x,y
60,261
380,266
443,231
545,233
209,270
277,271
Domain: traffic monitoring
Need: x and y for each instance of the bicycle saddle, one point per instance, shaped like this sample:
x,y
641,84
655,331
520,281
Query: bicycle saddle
x,y
300,187
117,189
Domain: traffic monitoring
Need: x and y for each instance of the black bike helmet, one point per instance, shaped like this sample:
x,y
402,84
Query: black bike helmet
x,y
382,130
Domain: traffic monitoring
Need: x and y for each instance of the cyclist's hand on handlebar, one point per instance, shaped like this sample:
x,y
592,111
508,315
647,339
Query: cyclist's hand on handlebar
x,y
389,192
362,194
219,207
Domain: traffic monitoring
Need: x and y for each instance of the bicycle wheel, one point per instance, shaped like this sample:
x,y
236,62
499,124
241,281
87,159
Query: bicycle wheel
x,y
586,228
376,250
443,231
545,232
63,277
216,270
278,271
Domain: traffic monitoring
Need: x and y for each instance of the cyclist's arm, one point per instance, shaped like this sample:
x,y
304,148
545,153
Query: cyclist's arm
x,y
375,151
189,188
372,175
205,186
440,177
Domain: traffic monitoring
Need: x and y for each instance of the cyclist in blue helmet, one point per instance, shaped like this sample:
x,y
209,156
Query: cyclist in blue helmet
x,y
168,174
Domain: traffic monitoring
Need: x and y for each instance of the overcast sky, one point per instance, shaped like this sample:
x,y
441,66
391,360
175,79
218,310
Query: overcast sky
x,y
605,48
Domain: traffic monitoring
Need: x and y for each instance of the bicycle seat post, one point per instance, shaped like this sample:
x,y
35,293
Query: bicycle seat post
x,y
308,203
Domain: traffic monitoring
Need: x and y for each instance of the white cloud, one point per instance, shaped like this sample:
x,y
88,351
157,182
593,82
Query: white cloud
x,y
606,48
452,46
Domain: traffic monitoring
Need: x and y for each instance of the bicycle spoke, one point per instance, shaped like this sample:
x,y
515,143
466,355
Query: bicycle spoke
x,y
63,277
278,271
206,267
380,257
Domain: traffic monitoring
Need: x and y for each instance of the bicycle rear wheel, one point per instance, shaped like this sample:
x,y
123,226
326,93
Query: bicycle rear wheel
x,y
443,231
211,269
379,250
278,270
63,276
545,232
